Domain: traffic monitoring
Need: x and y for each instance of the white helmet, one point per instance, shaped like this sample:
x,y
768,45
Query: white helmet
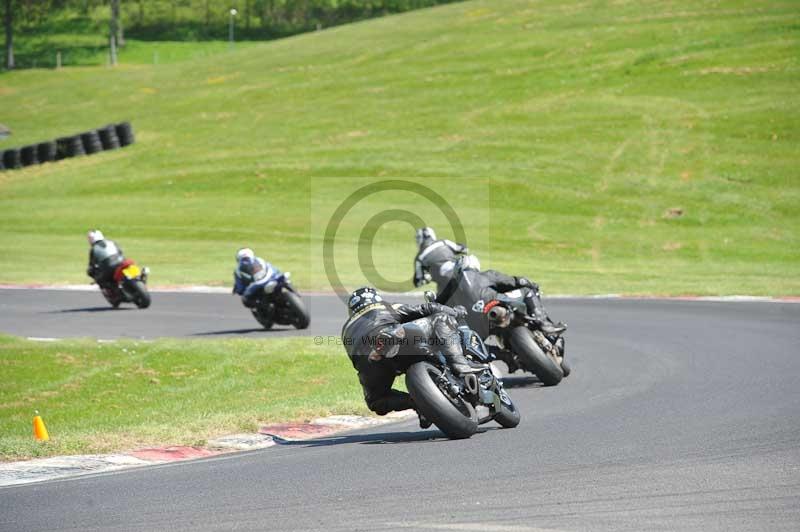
x,y
425,234
95,235
469,262
245,253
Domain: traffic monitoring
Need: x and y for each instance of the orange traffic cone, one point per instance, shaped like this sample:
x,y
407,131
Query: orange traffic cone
x,y
39,430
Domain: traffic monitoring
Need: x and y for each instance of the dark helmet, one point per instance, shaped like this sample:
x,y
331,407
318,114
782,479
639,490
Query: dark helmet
x,y
361,298
424,236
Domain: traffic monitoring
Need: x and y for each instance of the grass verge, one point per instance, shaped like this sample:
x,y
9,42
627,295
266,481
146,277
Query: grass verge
x,y
101,397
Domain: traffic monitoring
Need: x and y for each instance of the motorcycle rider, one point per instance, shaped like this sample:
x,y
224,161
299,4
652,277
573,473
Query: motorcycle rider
x,y
445,262
250,276
473,288
373,335
104,257
436,258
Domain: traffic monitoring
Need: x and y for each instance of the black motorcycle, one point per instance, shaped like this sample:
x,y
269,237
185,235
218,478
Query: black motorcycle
x,y
516,339
280,303
457,404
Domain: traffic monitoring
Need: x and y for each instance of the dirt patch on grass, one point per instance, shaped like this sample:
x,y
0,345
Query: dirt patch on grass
x,y
673,212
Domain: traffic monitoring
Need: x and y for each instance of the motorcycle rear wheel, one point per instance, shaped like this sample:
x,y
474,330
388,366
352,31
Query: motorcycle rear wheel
x,y
141,297
533,358
456,418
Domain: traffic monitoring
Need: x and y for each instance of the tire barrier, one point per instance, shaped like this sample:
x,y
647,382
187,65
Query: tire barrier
x,y
91,142
69,147
29,155
108,137
47,151
124,133
11,159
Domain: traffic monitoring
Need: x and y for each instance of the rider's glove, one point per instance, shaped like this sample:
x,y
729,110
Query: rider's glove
x,y
460,312
425,279
524,282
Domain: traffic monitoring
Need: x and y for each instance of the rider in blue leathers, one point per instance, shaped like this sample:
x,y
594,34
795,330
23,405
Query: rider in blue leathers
x,y
250,276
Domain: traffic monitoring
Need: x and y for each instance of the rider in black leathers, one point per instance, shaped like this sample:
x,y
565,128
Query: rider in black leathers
x,y
473,289
373,336
447,263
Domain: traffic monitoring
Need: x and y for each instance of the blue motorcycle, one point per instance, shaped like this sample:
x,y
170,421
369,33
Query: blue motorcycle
x,y
278,302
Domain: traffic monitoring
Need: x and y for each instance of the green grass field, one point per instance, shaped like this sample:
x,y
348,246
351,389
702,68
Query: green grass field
x,y
97,397
637,147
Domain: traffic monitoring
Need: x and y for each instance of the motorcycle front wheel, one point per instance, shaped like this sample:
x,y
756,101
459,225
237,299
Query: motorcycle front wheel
x,y
301,317
507,415
112,295
262,317
454,416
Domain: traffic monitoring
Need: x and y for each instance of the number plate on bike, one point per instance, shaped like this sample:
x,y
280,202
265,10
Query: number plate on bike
x,y
132,271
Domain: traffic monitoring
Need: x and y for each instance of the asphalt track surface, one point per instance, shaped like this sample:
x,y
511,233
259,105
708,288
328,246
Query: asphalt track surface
x,y
678,416
82,313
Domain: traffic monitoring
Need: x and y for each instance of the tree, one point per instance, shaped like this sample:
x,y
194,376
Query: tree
x,y
116,25
9,23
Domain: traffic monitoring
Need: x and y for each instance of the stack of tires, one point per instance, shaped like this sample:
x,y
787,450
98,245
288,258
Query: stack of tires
x,y
109,137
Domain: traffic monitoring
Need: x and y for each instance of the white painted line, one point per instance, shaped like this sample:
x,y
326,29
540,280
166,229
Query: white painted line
x,y
42,339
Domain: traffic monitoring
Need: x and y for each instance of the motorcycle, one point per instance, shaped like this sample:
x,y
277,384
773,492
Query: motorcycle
x,y
516,339
130,285
458,404
280,303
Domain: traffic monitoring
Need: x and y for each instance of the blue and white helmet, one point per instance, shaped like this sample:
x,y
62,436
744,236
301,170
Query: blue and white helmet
x,y
361,298
246,255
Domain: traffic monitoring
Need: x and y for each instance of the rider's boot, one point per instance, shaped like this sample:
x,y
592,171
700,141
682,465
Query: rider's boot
x,y
461,365
445,329
536,309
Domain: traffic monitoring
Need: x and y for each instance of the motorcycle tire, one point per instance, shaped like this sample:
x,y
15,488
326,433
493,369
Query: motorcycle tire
x,y
262,318
533,359
566,368
455,421
141,297
113,301
302,319
507,415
